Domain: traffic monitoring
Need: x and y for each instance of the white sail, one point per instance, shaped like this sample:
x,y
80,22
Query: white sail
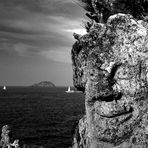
x,y
68,88
69,91
4,88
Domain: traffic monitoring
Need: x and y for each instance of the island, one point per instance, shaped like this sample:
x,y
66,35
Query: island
x,y
43,84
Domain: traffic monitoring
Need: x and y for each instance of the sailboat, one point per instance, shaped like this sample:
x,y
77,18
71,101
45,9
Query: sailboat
x,y
69,91
4,88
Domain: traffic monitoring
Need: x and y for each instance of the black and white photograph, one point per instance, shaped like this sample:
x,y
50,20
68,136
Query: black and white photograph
x,y
74,73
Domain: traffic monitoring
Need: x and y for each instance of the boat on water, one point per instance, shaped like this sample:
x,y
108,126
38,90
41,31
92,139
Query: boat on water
x,y
4,88
69,90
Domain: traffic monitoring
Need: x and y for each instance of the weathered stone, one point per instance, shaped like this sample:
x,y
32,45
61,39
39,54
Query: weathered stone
x,y
6,138
110,64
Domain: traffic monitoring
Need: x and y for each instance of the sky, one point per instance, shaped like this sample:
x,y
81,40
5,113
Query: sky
x,y
36,40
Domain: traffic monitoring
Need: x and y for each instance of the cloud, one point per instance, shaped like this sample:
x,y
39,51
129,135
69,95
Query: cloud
x,y
36,40
26,50
59,54
30,31
57,7
62,55
78,31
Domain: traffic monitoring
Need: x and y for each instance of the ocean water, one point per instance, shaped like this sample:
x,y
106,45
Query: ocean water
x,y
41,116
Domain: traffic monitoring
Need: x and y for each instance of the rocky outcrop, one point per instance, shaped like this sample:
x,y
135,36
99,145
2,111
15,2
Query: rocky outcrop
x,y
110,64
7,139
44,84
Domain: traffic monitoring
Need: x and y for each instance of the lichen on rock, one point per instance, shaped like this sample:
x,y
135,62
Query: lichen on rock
x,y
110,65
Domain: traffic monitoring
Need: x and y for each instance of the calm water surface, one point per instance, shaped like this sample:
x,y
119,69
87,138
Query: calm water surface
x,y
41,116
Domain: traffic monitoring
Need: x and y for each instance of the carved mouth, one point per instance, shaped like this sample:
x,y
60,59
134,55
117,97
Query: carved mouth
x,y
119,113
107,107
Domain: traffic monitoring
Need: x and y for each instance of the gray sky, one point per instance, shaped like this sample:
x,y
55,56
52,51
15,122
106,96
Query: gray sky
x,y
36,40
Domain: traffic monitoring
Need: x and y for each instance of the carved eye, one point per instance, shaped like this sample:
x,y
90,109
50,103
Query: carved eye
x,y
92,72
96,74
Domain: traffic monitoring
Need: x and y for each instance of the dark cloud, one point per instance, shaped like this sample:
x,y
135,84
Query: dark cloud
x,y
45,24
57,7
33,26
34,35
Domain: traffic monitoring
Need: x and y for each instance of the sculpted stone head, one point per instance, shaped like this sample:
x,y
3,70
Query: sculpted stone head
x,y
110,65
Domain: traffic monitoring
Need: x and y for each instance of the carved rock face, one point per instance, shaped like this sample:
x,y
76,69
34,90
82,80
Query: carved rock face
x,y
111,65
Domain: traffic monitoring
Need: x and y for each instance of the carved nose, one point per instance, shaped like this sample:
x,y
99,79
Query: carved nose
x,y
111,76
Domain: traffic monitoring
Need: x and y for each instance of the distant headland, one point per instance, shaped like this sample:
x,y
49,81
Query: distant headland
x,y
43,84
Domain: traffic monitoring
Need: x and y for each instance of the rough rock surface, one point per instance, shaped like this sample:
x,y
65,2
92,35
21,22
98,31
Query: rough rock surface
x,y
6,138
110,65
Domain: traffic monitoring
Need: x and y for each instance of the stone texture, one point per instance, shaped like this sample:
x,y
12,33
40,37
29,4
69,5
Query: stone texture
x,y
6,138
110,65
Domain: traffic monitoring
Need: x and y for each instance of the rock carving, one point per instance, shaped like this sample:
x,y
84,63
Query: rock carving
x,y
110,65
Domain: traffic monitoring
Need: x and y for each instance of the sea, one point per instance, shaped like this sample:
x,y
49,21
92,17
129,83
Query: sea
x,y
41,117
